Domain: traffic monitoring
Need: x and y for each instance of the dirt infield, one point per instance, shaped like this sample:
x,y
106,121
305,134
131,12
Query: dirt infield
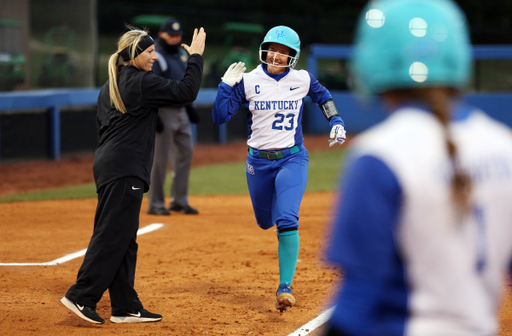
x,y
215,273
211,274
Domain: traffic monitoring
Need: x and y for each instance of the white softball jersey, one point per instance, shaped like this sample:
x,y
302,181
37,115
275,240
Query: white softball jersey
x,y
411,264
276,107
275,104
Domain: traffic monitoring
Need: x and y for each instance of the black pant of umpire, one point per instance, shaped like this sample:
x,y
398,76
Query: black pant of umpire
x,y
111,257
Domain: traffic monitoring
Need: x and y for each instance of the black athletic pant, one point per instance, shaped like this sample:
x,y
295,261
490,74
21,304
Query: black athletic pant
x,y
110,260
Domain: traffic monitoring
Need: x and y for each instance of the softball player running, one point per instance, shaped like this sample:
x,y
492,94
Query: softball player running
x,y
424,223
277,161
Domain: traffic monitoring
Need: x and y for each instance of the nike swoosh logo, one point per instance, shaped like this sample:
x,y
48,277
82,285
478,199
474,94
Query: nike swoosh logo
x,y
291,89
135,315
133,187
80,307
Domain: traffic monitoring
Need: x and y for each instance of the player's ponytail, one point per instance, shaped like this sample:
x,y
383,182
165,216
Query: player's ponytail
x,y
115,95
438,99
127,42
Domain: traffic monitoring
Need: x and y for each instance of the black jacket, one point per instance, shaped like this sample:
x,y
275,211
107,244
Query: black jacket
x,y
126,142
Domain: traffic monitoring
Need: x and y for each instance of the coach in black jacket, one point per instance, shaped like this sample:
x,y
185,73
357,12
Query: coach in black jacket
x,y
126,115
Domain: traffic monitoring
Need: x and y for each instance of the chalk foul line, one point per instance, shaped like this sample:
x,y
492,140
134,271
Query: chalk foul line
x,y
313,324
144,230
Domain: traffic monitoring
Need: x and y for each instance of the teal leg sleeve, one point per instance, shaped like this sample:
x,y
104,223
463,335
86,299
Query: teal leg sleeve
x,y
288,254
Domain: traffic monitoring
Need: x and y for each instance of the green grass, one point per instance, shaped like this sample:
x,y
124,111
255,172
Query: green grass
x,y
219,179
325,168
72,192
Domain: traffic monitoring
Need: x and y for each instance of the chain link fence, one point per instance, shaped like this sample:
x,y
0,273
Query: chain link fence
x,y
47,44
63,40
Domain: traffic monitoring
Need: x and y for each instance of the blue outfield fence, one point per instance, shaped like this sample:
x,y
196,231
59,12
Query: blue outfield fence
x,y
54,100
357,116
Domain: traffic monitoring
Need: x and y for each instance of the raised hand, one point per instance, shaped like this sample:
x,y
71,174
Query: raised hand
x,y
198,42
234,73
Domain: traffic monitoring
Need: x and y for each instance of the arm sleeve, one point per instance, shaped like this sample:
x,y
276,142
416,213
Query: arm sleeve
x,y
319,95
158,91
228,102
362,240
336,120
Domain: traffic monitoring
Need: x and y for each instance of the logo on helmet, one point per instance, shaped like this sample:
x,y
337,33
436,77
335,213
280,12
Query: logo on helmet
x,y
285,36
280,35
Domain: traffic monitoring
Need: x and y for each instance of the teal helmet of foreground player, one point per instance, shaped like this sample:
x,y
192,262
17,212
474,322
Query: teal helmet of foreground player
x,y
283,35
411,44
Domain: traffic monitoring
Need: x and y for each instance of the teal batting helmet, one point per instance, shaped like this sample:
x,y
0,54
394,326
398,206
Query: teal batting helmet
x,y
409,44
283,35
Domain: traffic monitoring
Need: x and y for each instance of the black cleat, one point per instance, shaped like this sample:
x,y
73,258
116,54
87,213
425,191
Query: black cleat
x,y
137,317
87,313
158,211
187,209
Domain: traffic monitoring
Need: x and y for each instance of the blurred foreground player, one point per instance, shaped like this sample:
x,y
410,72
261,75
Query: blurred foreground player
x,y
423,231
126,116
277,161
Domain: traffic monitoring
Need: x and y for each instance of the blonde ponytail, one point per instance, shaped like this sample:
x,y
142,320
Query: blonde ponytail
x,y
115,95
129,40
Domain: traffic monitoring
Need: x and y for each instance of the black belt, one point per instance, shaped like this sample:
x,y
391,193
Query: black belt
x,y
274,155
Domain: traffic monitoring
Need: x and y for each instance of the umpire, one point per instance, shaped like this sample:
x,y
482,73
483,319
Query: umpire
x,y
126,118
174,135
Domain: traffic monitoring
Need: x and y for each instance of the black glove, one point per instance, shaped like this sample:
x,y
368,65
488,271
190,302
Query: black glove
x,y
159,125
193,116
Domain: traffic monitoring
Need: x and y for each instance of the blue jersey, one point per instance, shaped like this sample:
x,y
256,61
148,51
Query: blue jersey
x,y
274,103
410,265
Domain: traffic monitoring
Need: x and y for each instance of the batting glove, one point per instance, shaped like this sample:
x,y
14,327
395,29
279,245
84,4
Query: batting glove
x,y
338,135
234,73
